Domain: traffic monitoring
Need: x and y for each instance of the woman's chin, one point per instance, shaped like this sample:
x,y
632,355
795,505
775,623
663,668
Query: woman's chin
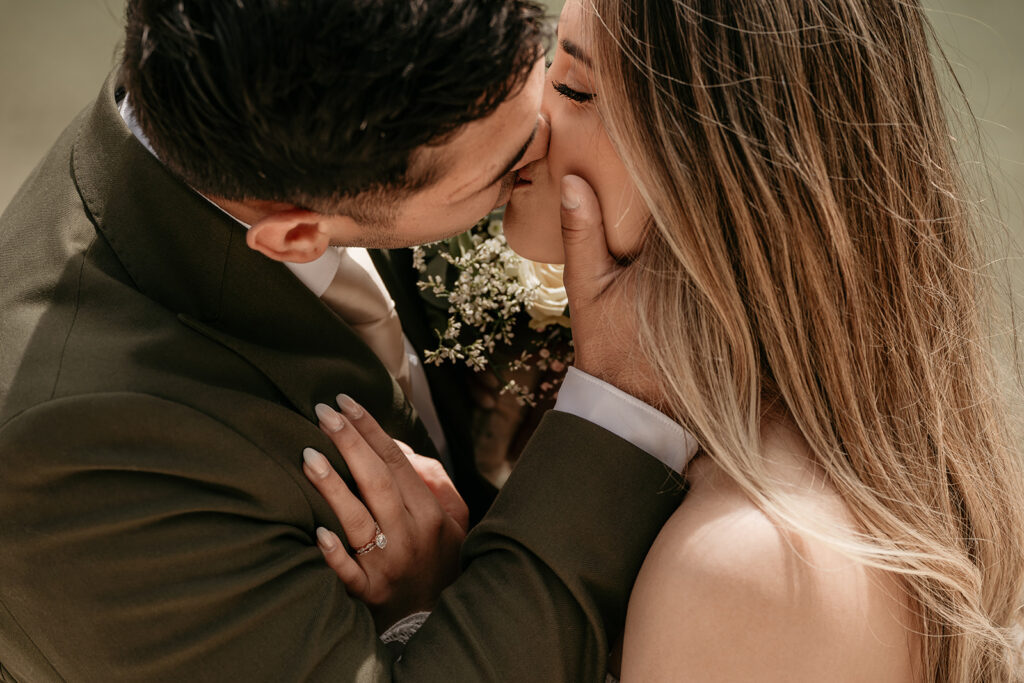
x,y
533,227
533,241
540,256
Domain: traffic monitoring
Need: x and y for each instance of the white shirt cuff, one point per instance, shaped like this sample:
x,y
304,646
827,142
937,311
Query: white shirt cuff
x,y
627,417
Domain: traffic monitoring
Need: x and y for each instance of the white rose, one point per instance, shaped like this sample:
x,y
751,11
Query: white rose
x,y
548,300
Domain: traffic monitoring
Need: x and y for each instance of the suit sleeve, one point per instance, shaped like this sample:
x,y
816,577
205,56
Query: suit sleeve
x,y
170,547
549,569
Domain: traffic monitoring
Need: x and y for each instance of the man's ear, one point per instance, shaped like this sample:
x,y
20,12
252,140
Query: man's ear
x,y
292,235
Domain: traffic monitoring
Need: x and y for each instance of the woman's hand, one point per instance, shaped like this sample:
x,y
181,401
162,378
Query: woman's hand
x,y
407,536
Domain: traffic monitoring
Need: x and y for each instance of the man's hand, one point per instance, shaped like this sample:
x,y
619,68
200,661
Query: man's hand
x,y
602,308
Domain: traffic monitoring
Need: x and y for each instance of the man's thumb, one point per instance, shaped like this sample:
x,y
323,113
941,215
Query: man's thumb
x,y
586,251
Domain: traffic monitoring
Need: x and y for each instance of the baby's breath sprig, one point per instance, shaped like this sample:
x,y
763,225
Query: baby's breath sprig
x,y
505,314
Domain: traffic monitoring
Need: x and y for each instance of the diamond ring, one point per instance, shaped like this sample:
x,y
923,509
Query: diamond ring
x,y
379,541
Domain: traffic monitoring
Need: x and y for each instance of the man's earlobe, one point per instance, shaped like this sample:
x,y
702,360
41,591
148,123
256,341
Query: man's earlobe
x,y
294,235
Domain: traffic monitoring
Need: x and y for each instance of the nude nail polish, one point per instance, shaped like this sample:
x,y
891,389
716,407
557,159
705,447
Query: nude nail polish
x,y
328,417
325,539
349,407
316,462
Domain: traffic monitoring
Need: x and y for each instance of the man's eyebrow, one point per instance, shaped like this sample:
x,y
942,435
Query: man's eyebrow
x,y
515,160
573,50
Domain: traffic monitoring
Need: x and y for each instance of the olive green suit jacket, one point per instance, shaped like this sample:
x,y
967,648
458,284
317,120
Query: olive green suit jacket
x,y
157,381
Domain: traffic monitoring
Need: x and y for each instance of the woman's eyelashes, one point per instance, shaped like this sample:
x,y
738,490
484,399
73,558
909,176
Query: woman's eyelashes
x,y
574,95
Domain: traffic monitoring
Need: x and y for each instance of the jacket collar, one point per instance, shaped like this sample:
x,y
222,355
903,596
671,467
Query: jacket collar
x,y
187,255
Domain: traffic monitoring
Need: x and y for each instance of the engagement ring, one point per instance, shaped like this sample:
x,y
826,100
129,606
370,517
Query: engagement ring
x,y
379,541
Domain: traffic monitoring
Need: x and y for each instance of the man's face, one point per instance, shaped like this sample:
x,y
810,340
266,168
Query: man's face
x,y
478,162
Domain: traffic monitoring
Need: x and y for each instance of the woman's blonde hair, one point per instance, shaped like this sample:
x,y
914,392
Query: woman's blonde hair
x,y
811,249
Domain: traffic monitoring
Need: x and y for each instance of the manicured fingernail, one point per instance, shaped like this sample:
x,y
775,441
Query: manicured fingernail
x,y
316,461
570,201
328,417
352,410
326,540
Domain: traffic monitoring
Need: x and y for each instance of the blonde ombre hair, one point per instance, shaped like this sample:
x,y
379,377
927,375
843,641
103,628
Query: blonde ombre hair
x,y
811,251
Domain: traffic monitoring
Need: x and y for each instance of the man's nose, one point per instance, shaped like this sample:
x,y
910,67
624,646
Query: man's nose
x,y
538,149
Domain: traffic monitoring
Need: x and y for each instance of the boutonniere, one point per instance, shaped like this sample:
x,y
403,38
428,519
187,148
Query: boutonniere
x,y
505,314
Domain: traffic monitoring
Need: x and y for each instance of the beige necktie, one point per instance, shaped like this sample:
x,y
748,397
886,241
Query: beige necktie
x,y
359,297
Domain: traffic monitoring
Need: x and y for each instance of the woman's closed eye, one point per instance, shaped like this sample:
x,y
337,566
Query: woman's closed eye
x,y
571,94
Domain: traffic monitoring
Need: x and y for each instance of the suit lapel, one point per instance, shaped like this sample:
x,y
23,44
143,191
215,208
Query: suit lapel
x,y
187,255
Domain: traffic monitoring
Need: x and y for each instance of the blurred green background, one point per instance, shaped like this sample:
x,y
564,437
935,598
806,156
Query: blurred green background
x,y
54,55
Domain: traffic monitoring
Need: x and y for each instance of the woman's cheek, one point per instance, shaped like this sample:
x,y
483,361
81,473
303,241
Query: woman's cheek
x,y
624,211
625,218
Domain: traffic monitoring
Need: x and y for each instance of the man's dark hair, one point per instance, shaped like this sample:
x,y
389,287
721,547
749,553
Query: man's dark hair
x,y
314,102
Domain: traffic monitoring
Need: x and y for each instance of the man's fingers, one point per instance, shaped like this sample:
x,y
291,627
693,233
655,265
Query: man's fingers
x,y
433,474
440,484
587,260
405,448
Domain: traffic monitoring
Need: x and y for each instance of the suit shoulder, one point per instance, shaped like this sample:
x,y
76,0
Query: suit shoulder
x,y
85,425
117,435
44,190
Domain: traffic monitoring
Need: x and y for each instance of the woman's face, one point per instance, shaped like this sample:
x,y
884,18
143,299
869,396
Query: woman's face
x,y
579,146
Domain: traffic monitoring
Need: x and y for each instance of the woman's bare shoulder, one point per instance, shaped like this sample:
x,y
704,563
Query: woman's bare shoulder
x,y
726,595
